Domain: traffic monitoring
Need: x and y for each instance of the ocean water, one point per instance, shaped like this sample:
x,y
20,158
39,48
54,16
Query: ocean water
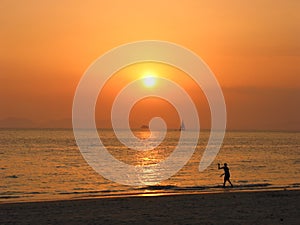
x,y
46,164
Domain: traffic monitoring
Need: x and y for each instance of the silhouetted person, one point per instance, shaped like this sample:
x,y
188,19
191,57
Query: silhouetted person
x,y
226,173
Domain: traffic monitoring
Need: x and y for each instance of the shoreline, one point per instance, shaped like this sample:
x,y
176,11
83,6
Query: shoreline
x,y
147,193
255,207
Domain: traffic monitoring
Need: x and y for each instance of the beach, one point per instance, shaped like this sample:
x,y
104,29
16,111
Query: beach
x,y
53,184
263,207
150,112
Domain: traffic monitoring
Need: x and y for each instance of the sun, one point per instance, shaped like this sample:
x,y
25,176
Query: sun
x,y
149,81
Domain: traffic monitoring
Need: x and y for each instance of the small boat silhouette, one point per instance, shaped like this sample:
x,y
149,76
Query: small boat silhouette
x,y
182,126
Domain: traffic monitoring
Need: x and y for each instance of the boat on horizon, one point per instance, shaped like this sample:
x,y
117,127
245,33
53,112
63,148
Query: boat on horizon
x,y
182,126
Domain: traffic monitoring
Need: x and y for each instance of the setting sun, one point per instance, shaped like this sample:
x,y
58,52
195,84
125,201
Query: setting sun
x,y
149,81
106,103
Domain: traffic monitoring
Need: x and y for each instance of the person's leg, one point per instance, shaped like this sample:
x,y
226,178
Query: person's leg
x,y
230,182
224,181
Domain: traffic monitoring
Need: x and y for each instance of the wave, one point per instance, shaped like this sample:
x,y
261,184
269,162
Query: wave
x,y
199,188
152,190
295,185
10,196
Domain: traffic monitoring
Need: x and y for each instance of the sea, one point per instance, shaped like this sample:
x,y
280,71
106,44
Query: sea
x,y
46,165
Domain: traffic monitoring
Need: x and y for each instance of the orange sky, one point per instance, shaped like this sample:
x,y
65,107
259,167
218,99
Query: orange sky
x,y
252,47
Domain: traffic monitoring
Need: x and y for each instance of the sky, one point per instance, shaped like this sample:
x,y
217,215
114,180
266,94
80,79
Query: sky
x,y
252,47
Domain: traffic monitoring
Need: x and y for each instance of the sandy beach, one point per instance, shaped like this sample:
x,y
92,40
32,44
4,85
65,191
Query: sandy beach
x,y
265,207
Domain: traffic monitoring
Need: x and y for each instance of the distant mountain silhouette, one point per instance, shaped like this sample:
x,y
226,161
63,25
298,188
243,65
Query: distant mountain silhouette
x,y
15,122
19,122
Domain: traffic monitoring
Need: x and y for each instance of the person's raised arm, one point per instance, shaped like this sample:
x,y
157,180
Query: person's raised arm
x,y
219,166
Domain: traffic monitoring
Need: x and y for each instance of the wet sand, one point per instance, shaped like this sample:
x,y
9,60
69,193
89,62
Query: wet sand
x,y
269,207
